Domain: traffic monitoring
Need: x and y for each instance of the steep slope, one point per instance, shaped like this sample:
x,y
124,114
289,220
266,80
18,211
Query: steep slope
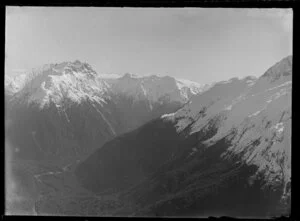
x,y
230,142
58,114
258,114
49,115
166,138
64,111
140,99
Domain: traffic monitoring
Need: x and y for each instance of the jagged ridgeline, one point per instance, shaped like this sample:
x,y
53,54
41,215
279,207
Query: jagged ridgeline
x,y
65,111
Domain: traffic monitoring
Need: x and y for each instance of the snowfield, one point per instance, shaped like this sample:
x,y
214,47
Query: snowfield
x,y
259,113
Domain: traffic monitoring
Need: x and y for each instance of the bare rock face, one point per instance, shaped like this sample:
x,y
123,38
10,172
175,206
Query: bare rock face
x,y
280,69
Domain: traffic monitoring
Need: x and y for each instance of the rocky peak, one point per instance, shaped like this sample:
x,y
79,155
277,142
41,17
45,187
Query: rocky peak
x,y
281,68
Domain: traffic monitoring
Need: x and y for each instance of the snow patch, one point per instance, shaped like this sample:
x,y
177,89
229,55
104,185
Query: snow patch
x,y
281,85
168,116
279,127
255,113
104,118
228,107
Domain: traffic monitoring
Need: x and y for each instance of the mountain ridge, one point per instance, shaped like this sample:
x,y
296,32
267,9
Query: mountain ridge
x,y
65,74
112,107
238,127
222,148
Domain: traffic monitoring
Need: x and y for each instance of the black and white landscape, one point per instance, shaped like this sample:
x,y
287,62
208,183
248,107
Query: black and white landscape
x,y
83,143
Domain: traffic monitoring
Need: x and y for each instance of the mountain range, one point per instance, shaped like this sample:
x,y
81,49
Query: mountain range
x,y
152,145
67,110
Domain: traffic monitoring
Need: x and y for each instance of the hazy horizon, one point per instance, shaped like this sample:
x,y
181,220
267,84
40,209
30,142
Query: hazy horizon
x,y
199,44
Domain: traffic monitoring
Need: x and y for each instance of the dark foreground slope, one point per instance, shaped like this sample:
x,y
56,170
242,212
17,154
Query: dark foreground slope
x,y
130,157
160,177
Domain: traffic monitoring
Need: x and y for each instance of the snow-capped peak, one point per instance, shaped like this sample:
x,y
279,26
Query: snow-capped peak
x,y
14,84
78,81
68,80
134,81
154,88
194,87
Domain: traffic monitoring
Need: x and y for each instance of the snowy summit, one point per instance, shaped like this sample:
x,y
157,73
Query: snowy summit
x,y
77,81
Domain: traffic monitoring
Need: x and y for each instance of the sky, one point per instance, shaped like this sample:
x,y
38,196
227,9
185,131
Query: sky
x,y
199,44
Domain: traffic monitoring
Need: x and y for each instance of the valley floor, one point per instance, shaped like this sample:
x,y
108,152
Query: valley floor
x,y
47,190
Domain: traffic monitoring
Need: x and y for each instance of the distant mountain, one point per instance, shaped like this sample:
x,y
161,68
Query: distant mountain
x,y
64,111
13,84
226,152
